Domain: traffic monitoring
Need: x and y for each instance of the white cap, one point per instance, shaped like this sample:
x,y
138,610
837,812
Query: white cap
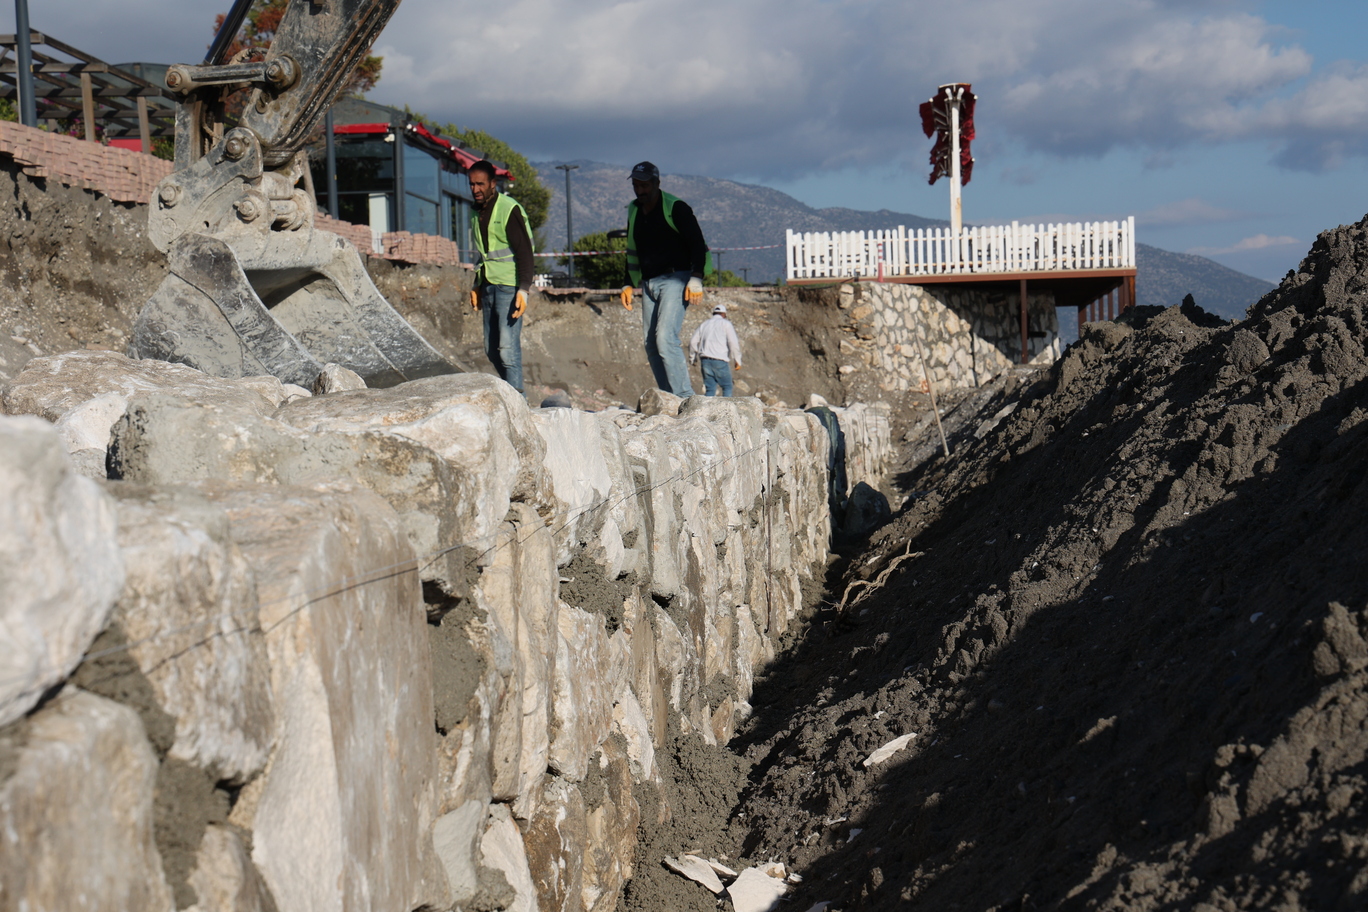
x,y
720,309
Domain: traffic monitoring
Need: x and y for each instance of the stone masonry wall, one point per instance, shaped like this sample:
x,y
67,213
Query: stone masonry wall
x,y
374,649
969,335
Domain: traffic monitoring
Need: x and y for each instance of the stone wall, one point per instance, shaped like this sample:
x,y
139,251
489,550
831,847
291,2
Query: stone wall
x,y
969,335
375,649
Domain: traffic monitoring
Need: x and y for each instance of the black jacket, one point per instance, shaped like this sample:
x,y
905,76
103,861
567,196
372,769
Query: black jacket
x,y
661,250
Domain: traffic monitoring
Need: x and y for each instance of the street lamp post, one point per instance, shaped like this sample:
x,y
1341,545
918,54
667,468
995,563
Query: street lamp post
x,y
569,220
28,107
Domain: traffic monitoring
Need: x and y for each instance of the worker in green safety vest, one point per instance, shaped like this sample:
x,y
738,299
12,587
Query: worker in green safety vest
x,y
503,242
667,258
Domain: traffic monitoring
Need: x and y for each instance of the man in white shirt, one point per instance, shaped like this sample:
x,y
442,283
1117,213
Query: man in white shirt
x,y
715,341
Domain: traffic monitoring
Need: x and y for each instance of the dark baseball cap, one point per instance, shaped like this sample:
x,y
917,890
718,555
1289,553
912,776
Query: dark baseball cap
x,y
645,171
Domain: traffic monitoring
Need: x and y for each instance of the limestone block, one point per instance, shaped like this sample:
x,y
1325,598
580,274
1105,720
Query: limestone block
x,y
722,724
334,378
672,657
733,563
224,878
658,402
556,841
610,833
585,685
623,508
581,479
76,810
630,722
274,389
85,392
502,849
60,567
84,432
644,669
742,420
456,837
480,425
165,439
516,591
648,453
52,385
345,813
696,869
752,651
755,891
189,612
869,445
466,755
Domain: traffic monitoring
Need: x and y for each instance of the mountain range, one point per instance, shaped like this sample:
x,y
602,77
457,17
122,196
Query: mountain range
x,y
734,214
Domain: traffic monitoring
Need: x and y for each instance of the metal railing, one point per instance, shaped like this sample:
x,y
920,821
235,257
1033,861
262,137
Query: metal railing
x,y
985,249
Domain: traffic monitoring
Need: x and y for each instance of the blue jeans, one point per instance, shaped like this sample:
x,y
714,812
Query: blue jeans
x,y
716,373
662,318
502,333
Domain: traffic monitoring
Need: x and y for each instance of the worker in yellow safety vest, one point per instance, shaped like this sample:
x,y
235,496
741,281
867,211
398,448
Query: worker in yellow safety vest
x,y
503,242
667,258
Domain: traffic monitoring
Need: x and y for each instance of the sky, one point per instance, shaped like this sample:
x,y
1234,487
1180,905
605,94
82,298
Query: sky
x,y
1234,129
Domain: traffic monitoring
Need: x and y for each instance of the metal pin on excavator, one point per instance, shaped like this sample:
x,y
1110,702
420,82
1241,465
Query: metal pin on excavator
x,y
254,286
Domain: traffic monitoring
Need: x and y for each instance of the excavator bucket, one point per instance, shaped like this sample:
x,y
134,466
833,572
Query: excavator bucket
x,y
254,287
286,317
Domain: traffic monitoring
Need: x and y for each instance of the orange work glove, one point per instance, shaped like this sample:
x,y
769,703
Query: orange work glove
x,y
474,299
519,304
626,295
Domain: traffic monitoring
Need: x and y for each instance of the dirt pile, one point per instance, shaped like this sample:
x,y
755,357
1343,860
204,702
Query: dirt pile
x,y
1128,626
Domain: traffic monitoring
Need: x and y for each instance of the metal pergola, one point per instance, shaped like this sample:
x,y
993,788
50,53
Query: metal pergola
x,y
123,104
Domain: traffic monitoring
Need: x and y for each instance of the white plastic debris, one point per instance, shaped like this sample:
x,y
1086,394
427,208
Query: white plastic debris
x,y
820,907
854,831
889,749
755,891
696,869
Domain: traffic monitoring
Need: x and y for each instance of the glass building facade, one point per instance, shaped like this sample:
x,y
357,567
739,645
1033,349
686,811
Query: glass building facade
x,y
392,177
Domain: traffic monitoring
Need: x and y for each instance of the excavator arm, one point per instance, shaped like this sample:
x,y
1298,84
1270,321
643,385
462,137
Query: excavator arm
x,y
254,287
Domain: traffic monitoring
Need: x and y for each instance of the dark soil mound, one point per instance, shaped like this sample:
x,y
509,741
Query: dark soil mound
x,y
1131,635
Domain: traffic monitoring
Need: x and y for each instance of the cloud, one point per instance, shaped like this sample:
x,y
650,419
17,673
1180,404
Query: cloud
x,y
1257,242
779,89
128,31
1192,211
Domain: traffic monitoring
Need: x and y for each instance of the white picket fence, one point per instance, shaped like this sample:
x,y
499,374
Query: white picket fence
x,y
983,249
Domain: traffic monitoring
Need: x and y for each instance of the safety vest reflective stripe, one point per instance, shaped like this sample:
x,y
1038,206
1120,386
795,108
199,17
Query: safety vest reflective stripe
x,y
501,253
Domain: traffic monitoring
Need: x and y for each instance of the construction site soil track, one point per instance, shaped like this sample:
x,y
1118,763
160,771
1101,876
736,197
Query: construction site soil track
x,y
1129,634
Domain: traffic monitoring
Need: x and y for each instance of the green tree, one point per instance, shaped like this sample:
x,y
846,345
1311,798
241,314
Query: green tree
x,y
726,278
606,271
527,186
263,19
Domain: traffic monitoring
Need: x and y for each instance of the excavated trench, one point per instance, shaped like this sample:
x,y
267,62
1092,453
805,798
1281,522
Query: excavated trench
x,y
1126,624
